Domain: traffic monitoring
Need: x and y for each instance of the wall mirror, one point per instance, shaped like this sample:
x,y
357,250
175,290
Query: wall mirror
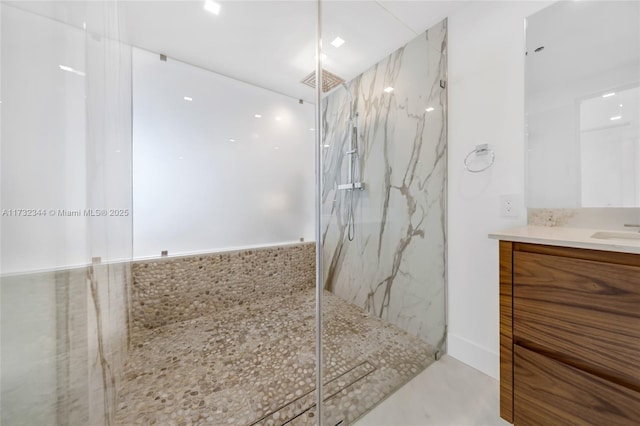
x,y
582,97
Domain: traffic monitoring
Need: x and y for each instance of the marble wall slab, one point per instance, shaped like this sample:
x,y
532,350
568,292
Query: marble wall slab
x,y
65,338
395,266
109,336
28,377
72,340
595,218
171,290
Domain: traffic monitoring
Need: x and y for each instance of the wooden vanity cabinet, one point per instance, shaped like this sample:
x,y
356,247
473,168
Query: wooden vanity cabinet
x,y
569,336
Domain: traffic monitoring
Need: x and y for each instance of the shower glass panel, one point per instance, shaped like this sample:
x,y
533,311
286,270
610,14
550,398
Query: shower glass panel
x,y
219,155
66,212
222,181
158,259
384,151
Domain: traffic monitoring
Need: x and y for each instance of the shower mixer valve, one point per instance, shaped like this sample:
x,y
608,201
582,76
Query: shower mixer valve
x,y
351,186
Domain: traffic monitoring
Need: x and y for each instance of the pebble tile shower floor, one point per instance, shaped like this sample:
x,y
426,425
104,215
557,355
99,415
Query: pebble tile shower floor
x,y
254,365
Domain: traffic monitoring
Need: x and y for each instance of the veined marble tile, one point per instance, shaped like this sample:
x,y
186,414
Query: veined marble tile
x,y
72,366
64,343
108,323
395,265
592,217
28,376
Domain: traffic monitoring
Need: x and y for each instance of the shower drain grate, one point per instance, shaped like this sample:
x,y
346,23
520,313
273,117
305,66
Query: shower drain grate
x,y
306,402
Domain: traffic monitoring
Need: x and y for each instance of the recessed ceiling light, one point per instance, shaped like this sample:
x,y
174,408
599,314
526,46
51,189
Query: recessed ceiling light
x,y
187,98
278,118
311,129
232,140
337,42
617,117
71,70
606,95
327,146
212,6
389,89
181,158
430,109
84,25
258,116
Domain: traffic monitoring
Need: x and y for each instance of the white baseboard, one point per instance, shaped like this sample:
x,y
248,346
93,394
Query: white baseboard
x,y
474,355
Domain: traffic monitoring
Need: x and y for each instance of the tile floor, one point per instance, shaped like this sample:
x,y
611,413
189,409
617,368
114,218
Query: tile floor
x,y
448,393
255,365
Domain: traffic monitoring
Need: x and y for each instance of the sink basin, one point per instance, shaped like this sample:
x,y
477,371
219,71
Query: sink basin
x,y
611,235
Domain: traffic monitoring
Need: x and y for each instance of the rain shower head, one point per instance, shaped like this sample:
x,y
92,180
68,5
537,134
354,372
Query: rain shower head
x,y
329,80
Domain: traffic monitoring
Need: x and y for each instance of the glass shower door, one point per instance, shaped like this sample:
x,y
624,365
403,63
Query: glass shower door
x,y
66,203
167,273
384,147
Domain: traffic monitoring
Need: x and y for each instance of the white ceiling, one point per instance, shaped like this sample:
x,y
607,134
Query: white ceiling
x,y
581,39
267,43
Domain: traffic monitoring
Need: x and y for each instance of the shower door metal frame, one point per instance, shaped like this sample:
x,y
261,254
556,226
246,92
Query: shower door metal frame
x,y
318,219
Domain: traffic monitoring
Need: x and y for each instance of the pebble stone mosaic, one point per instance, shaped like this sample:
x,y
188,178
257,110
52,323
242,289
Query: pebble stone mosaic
x,y
254,364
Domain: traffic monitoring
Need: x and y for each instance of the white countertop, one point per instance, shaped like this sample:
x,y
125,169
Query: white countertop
x,y
567,237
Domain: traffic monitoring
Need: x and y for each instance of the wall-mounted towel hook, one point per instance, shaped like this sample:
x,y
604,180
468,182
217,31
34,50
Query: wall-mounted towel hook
x,y
480,151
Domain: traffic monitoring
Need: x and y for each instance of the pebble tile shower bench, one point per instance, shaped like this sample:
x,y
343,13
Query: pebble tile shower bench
x,y
228,338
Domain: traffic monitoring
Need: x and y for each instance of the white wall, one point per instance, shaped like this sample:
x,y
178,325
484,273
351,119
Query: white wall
x,y
208,174
109,144
43,142
486,105
66,144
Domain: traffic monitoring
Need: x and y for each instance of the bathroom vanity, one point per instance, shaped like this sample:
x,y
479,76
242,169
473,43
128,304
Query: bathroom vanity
x,y
569,327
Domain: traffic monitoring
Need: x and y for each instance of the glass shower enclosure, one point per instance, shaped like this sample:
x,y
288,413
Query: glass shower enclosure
x,y
383,204
192,233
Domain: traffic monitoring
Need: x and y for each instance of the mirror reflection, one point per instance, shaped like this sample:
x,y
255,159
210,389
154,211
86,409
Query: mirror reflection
x,y
609,154
582,78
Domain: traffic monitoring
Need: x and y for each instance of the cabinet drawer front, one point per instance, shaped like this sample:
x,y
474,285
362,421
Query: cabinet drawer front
x,y
585,313
548,392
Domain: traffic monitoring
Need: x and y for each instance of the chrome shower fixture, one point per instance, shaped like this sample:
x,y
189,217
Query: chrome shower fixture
x,y
354,169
